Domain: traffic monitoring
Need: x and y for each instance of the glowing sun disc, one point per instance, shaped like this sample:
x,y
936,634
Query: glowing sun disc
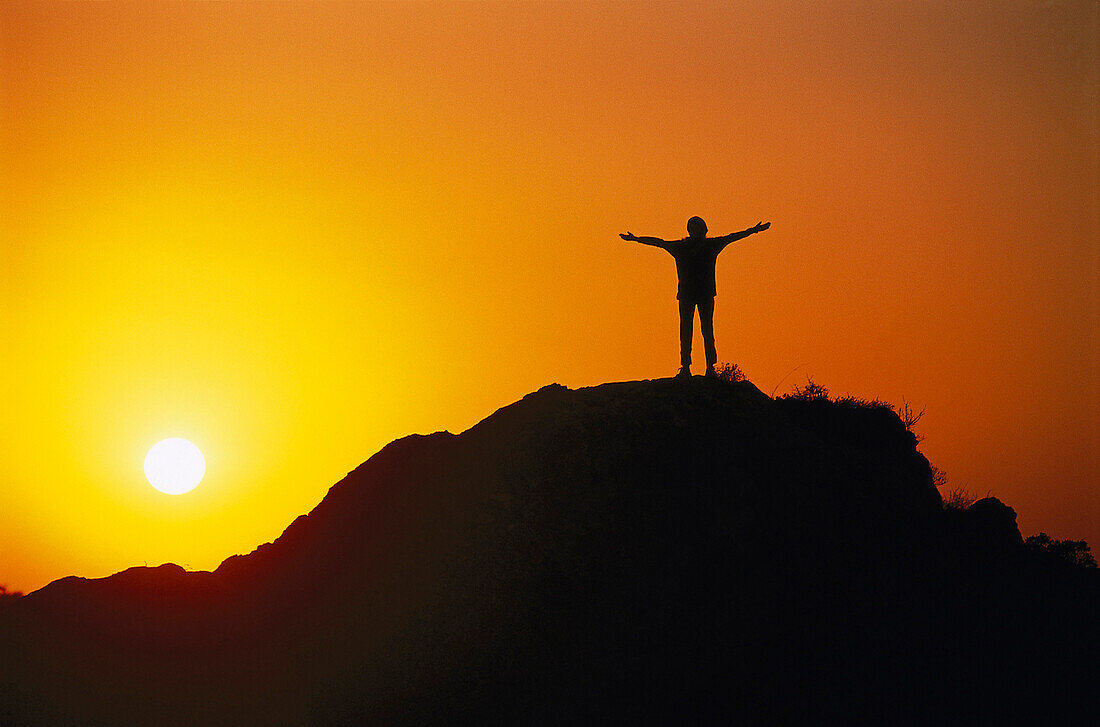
x,y
174,466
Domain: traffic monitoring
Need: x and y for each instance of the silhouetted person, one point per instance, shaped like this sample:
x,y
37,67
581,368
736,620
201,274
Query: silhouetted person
x,y
695,257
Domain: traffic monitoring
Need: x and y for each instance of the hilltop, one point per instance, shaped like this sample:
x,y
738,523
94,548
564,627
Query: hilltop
x,y
654,551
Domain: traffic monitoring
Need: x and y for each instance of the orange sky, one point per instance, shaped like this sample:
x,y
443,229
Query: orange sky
x,y
293,233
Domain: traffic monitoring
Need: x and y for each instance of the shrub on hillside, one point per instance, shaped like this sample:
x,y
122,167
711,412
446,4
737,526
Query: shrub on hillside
x,y
809,392
1075,552
909,417
857,402
729,372
957,498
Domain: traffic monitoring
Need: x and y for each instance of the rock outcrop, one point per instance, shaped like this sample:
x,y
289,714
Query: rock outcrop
x,y
656,551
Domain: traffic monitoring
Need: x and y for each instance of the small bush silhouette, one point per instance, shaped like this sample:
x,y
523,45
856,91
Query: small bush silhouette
x,y
861,403
939,477
1075,552
909,417
957,498
729,372
809,392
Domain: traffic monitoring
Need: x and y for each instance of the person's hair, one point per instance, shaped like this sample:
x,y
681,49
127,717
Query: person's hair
x,y
697,223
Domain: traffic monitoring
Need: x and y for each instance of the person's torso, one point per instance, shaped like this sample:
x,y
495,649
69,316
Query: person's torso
x,y
695,261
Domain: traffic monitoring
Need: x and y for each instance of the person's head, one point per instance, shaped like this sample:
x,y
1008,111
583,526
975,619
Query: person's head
x,y
696,227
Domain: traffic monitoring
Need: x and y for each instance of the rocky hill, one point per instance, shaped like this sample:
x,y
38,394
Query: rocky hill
x,y
659,551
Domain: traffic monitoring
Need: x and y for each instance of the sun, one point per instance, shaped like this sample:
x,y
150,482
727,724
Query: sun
x,y
174,466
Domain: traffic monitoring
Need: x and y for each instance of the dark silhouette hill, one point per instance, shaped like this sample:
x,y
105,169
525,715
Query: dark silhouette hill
x,y
671,551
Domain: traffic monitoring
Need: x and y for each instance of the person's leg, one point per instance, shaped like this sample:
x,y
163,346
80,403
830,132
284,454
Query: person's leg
x,y
706,324
687,321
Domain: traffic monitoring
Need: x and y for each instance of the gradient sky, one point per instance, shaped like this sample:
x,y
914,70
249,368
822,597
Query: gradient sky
x,y
294,232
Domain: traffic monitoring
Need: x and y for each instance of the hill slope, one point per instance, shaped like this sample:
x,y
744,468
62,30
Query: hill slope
x,y
651,551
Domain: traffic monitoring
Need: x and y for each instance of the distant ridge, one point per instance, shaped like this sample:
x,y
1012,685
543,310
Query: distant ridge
x,y
652,551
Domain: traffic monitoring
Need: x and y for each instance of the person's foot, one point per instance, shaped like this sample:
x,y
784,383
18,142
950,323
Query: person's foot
x,y
685,373
711,373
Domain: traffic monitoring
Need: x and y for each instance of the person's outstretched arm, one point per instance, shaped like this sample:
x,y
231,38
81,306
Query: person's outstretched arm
x,y
654,241
734,237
